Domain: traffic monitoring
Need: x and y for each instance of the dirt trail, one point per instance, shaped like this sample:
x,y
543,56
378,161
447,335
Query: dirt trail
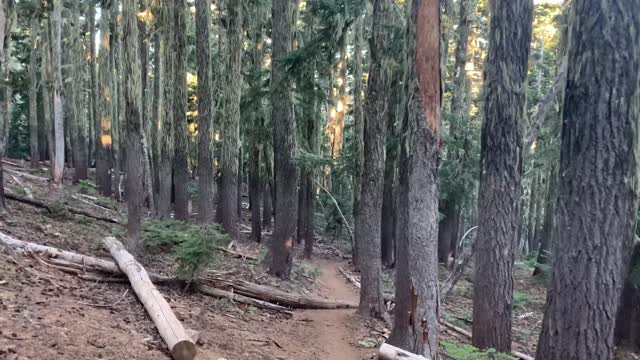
x,y
332,330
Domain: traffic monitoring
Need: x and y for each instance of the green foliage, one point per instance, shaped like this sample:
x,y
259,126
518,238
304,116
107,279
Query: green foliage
x,y
308,270
86,187
468,352
58,210
522,300
195,245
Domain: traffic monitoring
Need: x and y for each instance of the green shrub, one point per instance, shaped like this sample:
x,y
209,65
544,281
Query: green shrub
x,y
468,352
194,245
522,300
86,187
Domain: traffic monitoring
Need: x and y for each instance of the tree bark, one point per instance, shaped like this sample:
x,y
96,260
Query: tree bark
x,y
179,106
104,107
206,180
369,213
7,9
531,226
505,76
547,232
597,192
627,330
358,129
55,21
280,258
157,109
229,164
171,330
417,309
33,89
388,220
134,129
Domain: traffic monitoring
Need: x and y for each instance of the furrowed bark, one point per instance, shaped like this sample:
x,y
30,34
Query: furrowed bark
x,y
181,143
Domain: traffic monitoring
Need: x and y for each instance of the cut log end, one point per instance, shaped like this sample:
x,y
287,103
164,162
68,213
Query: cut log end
x,y
390,352
184,350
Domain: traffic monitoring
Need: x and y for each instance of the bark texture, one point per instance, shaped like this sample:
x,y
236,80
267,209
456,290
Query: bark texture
x,y
358,129
369,213
597,192
417,309
505,76
547,232
179,106
55,21
206,176
104,108
33,89
280,258
229,163
7,9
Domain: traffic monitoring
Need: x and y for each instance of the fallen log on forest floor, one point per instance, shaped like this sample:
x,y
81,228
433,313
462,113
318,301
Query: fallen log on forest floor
x,y
278,296
26,175
242,299
171,330
236,254
50,208
390,352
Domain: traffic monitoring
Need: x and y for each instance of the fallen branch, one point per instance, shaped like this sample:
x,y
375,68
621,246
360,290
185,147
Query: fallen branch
x,y
49,208
390,352
458,269
171,330
242,299
464,332
236,254
278,296
26,175
335,202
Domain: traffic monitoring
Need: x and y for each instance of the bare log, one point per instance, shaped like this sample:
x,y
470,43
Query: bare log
x,y
26,175
43,205
352,279
278,296
242,299
171,330
390,352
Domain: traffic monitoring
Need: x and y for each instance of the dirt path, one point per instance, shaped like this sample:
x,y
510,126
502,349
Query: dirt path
x,y
333,330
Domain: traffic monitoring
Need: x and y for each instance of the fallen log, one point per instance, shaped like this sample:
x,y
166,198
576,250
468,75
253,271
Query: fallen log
x,y
27,175
278,296
390,352
236,254
242,299
352,279
171,330
49,208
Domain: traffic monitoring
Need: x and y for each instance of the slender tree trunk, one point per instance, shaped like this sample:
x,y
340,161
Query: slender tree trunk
x,y
46,90
206,176
58,113
229,165
369,214
156,108
94,122
166,137
133,126
547,236
180,165
33,89
597,191
280,258
358,130
267,202
306,205
147,122
505,76
531,226
388,220
256,146
417,308
104,107
7,9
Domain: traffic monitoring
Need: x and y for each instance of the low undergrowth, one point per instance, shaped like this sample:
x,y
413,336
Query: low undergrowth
x,y
468,352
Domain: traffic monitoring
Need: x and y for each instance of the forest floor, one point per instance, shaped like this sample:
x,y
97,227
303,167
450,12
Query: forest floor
x,y
48,314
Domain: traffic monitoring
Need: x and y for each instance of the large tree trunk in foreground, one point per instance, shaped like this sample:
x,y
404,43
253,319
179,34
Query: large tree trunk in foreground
x,y
505,77
369,214
171,330
134,137
180,165
280,258
229,164
417,309
206,176
597,192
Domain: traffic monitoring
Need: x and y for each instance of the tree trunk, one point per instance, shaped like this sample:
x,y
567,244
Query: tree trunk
x,y
179,106
180,345
7,9
369,214
166,140
33,89
388,220
547,232
280,258
58,113
134,137
46,90
229,164
597,195
267,204
531,226
206,179
94,120
358,130
417,308
157,109
104,107
255,143
505,76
